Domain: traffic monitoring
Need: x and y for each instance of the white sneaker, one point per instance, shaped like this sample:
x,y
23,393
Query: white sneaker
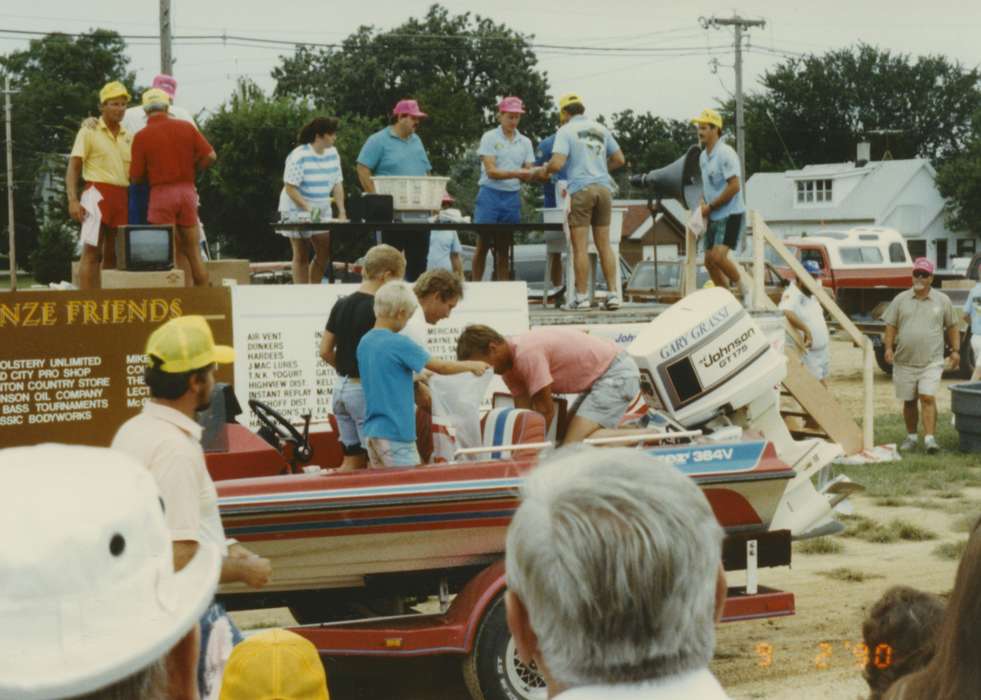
x,y
612,303
930,443
745,287
909,443
580,303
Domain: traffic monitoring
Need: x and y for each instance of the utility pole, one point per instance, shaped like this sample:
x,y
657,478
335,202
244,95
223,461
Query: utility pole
x,y
166,48
740,25
7,92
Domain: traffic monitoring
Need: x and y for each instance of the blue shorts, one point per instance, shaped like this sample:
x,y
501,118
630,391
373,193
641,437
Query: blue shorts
x,y
497,207
728,232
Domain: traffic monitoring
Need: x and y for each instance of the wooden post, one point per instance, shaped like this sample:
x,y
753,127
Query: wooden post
x,y
691,253
759,267
868,374
10,184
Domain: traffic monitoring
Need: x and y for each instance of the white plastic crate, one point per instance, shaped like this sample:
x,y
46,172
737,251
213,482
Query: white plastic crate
x,y
413,193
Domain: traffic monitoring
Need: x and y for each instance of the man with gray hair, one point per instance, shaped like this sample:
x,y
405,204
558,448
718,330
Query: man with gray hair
x,y
615,580
167,153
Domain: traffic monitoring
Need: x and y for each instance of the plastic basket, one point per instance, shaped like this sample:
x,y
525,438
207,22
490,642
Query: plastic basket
x,y
413,193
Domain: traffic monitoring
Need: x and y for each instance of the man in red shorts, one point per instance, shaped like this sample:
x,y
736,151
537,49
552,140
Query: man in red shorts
x,y
168,153
101,157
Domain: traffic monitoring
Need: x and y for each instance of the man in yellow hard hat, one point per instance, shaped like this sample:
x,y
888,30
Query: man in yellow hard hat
x,y
100,157
722,202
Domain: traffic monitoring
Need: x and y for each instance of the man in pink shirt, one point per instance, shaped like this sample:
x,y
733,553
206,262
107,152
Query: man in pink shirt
x,y
546,361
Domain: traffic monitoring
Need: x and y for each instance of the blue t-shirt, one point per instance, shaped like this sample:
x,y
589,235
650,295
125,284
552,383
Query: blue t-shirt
x,y
588,145
441,245
717,168
313,175
542,156
387,362
508,154
972,308
384,153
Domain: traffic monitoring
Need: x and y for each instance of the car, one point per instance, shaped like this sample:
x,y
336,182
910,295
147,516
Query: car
x,y
661,282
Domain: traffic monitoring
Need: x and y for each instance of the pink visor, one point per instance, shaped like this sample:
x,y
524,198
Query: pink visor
x,y
409,107
511,105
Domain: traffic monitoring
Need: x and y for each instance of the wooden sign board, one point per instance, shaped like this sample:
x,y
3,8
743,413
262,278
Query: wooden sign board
x,y
71,362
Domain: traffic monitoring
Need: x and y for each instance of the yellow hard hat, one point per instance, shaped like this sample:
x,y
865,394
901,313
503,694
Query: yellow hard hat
x,y
274,664
155,96
708,116
185,344
112,90
569,98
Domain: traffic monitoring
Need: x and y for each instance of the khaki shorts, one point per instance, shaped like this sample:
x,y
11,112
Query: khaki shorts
x,y
592,205
911,382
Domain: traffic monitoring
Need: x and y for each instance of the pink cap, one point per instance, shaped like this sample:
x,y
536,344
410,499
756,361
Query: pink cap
x,y
167,83
410,107
923,264
512,105
448,198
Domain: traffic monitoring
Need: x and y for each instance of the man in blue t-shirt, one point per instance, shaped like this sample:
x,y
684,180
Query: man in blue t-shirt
x,y
722,202
589,152
542,156
388,362
398,150
972,309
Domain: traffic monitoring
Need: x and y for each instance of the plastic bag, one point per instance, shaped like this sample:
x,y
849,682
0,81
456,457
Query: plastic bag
x,y
696,222
456,412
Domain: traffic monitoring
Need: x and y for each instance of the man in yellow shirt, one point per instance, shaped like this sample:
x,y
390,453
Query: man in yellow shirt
x,y
101,158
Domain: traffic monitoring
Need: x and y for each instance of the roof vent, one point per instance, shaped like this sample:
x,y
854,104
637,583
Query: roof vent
x,y
863,155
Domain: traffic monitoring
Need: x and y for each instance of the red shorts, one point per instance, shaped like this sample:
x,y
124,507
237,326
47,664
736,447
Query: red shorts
x,y
174,203
114,205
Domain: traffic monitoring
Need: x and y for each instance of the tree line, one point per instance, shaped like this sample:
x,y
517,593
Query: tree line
x,y
807,109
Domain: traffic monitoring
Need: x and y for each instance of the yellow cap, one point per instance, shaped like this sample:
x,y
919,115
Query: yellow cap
x,y
185,344
112,90
568,99
708,116
274,664
155,96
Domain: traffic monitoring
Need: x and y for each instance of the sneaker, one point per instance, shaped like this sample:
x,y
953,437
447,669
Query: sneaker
x,y
580,303
612,303
745,287
930,443
909,443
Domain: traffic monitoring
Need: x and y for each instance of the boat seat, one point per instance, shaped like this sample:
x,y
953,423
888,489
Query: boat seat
x,y
511,426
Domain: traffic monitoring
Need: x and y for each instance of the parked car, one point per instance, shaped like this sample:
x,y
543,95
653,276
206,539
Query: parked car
x,y
662,282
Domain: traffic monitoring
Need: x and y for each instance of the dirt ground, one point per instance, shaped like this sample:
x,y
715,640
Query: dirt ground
x,y
807,656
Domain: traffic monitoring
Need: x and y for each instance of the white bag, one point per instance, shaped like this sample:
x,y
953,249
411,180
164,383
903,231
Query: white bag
x,y
456,412
696,222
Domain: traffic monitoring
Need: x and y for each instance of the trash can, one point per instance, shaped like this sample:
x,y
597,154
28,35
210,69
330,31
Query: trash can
x,y
965,402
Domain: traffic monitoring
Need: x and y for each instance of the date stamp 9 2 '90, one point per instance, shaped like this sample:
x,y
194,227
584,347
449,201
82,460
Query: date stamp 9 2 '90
x,y
856,653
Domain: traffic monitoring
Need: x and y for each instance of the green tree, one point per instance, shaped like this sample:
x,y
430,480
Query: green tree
x,y
252,135
959,180
457,66
58,78
648,142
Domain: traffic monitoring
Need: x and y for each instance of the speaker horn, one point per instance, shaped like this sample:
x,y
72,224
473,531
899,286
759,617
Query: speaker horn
x,y
681,180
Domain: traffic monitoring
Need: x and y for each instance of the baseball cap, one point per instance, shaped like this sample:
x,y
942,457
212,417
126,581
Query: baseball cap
x,y
813,267
568,99
447,198
185,343
274,664
511,105
167,83
112,90
708,116
88,592
410,107
923,264
155,96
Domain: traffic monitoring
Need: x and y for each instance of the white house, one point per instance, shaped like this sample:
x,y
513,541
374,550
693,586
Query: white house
x,y
899,194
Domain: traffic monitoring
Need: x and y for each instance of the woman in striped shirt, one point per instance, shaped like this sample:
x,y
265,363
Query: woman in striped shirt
x,y
311,176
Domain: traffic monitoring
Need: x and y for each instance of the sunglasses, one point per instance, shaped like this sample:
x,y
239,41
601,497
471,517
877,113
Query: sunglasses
x,y
921,274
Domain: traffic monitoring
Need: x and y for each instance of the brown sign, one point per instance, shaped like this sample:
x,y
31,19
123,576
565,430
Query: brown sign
x,y
71,362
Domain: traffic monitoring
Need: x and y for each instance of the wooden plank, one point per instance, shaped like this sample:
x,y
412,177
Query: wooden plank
x,y
759,266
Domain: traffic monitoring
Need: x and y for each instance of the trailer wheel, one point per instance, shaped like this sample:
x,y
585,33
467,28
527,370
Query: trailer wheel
x,y
880,359
492,670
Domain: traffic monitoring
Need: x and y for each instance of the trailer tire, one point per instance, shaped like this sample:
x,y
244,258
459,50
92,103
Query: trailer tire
x,y
880,359
492,670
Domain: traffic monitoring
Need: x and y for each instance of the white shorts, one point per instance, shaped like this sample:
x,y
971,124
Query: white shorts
x,y
910,382
818,362
976,347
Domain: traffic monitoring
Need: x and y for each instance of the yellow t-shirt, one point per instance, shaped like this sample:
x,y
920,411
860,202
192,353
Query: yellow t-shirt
x,y
105,157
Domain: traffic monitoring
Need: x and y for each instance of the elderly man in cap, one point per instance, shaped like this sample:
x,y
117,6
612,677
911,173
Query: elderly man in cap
x,y
803,311
615,578
506,156
166,439
589,152
722,202
168,153
916,321
90,602
398,150
101,157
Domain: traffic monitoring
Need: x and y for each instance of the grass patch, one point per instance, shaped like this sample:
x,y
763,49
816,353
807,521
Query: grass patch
x,y
965,523
821,545
23,281
891,502
911,532
950,550
863,528
843,573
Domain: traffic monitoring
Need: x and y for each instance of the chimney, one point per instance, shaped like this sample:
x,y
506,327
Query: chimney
x,y
864,154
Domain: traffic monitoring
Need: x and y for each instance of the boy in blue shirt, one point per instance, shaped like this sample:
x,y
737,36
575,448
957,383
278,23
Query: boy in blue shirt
x,y
388,361
972,309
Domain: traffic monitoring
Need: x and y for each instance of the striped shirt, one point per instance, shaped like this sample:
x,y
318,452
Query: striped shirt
x,y
313,175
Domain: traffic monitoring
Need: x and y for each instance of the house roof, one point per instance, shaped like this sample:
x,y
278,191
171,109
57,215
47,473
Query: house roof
x,y
774,194
637,220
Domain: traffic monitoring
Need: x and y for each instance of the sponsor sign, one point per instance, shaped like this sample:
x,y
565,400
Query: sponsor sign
x,y
728,351
71,362
622,334
713,459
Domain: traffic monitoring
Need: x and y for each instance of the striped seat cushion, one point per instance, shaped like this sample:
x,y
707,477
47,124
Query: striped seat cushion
x,y
511,426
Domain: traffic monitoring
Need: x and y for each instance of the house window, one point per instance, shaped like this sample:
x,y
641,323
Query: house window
x,y
966,247
917,249
813,191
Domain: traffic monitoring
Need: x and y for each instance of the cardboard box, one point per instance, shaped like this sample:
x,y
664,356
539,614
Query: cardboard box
x,y
227,268
121,279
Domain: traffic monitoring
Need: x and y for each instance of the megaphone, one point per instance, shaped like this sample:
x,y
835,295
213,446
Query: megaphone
x,y
681,180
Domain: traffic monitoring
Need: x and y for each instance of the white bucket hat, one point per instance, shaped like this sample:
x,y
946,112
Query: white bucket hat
x,y
88,593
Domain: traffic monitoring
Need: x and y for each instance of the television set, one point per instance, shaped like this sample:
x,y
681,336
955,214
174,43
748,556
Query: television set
x,y
145,248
